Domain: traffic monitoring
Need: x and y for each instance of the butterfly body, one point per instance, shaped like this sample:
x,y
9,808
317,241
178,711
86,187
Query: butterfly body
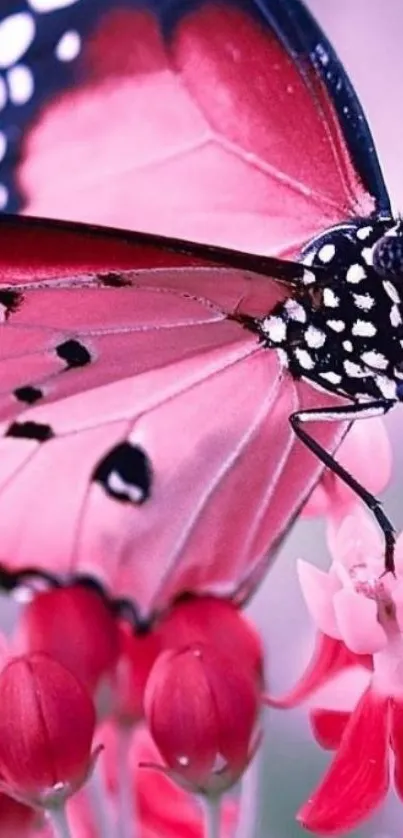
x,y
344,330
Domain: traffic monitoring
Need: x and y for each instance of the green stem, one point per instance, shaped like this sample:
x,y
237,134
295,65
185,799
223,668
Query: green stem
x,y
212,817
101,803
127,820
60,824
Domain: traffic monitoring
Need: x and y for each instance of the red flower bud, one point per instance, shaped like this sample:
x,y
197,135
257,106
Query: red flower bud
x,y
138,653
202,709
16,819
208,619
76,627
47,722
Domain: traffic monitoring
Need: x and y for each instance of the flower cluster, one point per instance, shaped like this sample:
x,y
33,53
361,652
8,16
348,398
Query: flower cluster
x,y
166,720
78,690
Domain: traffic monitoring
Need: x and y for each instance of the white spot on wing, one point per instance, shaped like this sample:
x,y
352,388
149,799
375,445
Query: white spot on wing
x,y
119,486
314,337
386,386
50,5
363,233
363,329
367,255
322,54
355,274
21,84
331,377
347,345
3,93
395,317
3,144
336,325
375,359
304,359
69,46
330,299
308,277
363,301
353,370
3,196
16,34
391,291
326,253
308,259
295,311
275,329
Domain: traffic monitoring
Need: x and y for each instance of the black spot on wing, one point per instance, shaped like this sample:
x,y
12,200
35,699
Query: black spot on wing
x,y
30,430
114,280
10,301
125,473
28,394
74,353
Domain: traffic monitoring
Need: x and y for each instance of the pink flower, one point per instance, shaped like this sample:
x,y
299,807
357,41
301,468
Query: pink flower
x,y
202,709
332,497
357,605
47,723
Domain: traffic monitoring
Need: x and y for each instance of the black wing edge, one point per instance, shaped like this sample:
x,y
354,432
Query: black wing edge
x,y
304,39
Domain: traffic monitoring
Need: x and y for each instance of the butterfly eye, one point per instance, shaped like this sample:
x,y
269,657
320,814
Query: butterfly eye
x,y
388,255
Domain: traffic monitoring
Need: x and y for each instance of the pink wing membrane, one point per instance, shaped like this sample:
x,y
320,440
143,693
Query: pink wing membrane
x,y
196,391
211,135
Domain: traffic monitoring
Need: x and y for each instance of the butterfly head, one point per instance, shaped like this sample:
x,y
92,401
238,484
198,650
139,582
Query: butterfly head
x,y
388,253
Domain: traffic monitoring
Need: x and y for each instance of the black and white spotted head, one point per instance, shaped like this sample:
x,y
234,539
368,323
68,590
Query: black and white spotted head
x,y
344,329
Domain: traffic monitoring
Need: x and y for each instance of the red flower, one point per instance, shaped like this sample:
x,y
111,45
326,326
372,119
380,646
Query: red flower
x,y
164,810
16,819
202,709
137,655
358,778
76,627
208,619
361,610
47,722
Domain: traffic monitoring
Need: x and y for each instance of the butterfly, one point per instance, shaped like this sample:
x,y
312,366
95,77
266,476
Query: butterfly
x,y
166,406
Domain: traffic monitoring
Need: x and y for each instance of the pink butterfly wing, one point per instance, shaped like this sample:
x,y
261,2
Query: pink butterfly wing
x,y
171,375
213,133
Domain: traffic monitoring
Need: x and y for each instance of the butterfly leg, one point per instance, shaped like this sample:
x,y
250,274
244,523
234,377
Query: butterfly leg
x,y
349,413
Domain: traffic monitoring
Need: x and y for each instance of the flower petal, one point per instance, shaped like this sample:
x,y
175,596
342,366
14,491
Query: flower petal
x,y
357,619
396,591
356,454
318,589
329,658
358,778
328,726
396,738
354,538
